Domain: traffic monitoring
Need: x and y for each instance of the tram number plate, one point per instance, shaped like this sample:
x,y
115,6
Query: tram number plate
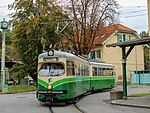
x,y
49,91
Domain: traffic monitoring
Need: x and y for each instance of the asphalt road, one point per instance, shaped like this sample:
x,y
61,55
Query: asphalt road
x,y
94,103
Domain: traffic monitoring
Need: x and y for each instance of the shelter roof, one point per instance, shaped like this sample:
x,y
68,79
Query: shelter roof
x,y
139,41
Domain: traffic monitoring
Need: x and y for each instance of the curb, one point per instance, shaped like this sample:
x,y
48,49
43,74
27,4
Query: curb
x,y
129,104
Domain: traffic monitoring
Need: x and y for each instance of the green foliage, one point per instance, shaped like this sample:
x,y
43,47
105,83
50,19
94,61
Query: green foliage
x,y
146,58
146,51
144,34
19,71
34,29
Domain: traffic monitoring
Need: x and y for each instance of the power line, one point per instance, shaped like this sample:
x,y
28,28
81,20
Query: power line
x,y
135,15
132,6
139,10
3,6
135,11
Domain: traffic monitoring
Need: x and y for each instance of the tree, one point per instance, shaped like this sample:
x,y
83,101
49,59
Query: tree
x,y
144,34
34,26
89,16
146,51
19,71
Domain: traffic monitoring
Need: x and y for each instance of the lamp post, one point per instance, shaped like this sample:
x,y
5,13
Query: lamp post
x,y
4,25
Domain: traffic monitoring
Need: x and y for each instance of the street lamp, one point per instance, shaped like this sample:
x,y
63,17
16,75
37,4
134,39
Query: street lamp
x,y
4,26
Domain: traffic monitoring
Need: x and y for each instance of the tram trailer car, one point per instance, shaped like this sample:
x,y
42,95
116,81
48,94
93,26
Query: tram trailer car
x,y
63,76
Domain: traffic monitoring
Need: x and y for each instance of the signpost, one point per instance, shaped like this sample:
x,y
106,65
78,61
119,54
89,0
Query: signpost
x,y
4,26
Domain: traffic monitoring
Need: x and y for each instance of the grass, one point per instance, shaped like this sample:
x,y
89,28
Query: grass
x,y
140,95
21,88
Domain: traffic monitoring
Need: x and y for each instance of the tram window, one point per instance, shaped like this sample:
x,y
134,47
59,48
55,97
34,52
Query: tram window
x,y
110,71
78,70
104,71
99,71
107,72
86,69
82,70
52,69
70,68
94,71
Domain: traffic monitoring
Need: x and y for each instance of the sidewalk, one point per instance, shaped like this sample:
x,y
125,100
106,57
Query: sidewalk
x,y
134,101
143,102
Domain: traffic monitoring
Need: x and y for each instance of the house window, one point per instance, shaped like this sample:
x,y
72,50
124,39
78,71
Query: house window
x,y
92,54
129,37
95,54
119,38
124,37
98,54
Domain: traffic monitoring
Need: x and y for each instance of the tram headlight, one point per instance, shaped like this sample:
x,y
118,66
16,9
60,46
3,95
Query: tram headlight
x,y
49,87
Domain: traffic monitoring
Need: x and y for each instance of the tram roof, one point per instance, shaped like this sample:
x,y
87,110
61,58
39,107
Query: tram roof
x,y
62,54
102,64
58,53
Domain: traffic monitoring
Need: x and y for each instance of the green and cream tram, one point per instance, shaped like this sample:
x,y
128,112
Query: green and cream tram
x,y
64,76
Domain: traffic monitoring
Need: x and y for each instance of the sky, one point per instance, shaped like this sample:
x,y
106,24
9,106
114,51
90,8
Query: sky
x,y
133,13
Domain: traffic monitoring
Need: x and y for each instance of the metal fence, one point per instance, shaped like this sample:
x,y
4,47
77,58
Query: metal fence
x,y
140,77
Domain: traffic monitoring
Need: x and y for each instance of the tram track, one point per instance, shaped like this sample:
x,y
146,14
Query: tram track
x,y
50,109
75,107
79,109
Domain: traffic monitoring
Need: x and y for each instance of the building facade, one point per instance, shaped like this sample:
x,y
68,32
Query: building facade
x,y
115,34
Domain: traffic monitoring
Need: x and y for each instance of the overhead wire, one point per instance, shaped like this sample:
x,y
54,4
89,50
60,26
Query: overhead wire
x,y
135,11
136,15
132,6
3,6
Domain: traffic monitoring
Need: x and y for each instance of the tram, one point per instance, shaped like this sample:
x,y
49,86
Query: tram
x,y
63,76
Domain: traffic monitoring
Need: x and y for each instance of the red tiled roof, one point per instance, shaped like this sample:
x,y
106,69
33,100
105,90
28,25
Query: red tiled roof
x,y
109,30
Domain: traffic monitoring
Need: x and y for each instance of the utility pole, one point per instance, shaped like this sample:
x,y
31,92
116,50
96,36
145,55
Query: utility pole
x,y
4,25
148,8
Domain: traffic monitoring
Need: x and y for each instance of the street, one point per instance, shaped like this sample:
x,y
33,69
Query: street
x,y
93,103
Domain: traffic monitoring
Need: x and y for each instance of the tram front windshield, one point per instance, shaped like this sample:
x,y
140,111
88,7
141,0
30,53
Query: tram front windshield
x,y
51,69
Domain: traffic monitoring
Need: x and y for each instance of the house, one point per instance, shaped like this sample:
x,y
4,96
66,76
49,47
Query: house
x,y
114,34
